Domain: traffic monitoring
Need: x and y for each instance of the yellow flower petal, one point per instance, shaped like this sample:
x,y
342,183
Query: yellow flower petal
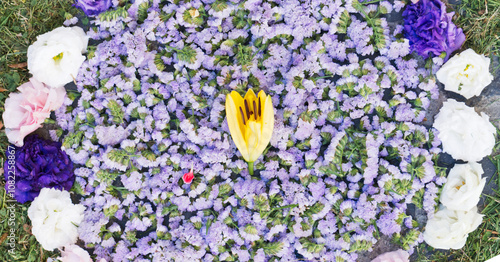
x,y
238,102
267,127
254,140
235,124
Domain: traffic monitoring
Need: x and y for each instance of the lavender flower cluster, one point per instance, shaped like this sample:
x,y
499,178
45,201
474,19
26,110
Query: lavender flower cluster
x,y
347,155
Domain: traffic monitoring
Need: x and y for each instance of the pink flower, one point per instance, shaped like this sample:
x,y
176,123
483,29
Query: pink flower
x,y
394,256
26,111
74,253
188,177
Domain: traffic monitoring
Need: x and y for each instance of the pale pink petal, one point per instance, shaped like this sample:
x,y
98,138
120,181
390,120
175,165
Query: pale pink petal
x,y
74,253
394,256
14,115
26,111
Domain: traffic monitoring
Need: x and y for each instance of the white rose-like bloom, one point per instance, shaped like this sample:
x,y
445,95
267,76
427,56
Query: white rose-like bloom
x,y
466,73
450,228
55,218
464,134
56,56
463,187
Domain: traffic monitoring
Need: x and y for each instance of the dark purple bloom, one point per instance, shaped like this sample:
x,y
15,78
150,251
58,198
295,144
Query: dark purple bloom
x,y
38,164
93,7
430,29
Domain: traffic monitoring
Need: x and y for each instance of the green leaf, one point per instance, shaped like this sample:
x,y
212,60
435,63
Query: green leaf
x,y
310,246
90,118
142,12
219,5
116,111
250,229
114,14
187,54
159,62
273,248
244,56
339,150
261,203
149,155
131,236
224,189
240,19
106,176
360,245
72,139
119,156
345,20
110,211
77,188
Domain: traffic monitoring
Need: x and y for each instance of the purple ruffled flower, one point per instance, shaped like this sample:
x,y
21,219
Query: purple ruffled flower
x,y
430,29
93,7
38,164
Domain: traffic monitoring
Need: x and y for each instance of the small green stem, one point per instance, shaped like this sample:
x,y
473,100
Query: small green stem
x,y
370,2
250,168
173,48
321,77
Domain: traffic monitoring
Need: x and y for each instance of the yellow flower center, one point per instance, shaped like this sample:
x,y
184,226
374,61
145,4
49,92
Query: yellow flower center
x,y
458,187
252,123
58,57
254,112
466,68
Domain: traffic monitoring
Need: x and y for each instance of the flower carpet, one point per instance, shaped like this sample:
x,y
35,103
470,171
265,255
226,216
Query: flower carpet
x,y
249,131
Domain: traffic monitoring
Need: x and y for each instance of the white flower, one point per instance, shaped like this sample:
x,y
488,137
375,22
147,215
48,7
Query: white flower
x,y
55,218
464,134
56,56
466,73
494,259
463,187
450,228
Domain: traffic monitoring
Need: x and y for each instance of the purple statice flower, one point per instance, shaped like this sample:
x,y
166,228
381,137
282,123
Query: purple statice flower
x,y
171,93
93,7
430,29
387,223
39,163
111,135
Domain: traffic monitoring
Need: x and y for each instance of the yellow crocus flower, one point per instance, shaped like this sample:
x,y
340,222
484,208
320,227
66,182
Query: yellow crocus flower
x,y
251,123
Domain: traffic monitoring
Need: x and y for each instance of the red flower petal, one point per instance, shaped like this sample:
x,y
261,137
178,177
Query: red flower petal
x,y
188,177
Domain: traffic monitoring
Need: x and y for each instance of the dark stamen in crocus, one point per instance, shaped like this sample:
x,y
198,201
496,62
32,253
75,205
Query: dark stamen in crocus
x,y
246,109
259,108
242,116
255,110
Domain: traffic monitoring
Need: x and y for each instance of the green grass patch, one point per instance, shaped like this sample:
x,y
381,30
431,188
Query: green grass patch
x,y
480,20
